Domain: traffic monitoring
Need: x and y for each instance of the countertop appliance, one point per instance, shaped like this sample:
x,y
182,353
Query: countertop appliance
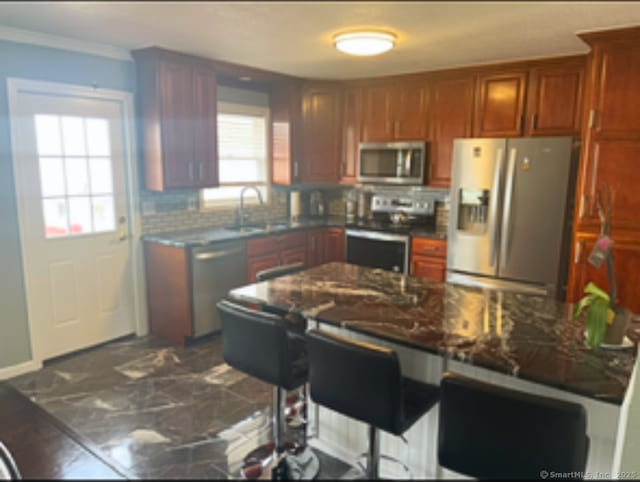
x,y
384,241
295,205
316,204
392,162
511,212
215,270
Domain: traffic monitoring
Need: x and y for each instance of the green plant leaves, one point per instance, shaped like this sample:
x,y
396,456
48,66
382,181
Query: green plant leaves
x,y
596,321
582,304
592,289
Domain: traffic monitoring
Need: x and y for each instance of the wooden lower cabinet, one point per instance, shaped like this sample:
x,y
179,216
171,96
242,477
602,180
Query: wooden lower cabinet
x,y
429,258
626,255
272,251
325,245
255,264
168,275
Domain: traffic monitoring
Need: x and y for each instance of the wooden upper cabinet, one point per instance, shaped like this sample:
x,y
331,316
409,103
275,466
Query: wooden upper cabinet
x,y
351,133
205,128
286,132
409,111
500,104
617,96
321,115
451,117
554,103
395,112
376,121
178,110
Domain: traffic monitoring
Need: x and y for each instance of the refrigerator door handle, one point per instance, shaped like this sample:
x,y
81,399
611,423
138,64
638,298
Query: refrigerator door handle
x,y
493,208
506,212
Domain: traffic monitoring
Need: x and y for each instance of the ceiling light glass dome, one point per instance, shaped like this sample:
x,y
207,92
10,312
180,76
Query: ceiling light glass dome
x,y
364,43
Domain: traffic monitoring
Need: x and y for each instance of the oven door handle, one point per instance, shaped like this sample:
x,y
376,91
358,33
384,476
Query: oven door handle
x,y
376,235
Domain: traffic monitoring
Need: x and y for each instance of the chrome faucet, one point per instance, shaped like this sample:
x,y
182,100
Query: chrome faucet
x,y
240,213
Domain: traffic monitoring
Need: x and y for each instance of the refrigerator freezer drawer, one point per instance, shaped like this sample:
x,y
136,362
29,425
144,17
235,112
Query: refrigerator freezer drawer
x,y
498,284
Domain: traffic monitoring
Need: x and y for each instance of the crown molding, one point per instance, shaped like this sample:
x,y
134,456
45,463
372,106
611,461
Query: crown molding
x,y
64,43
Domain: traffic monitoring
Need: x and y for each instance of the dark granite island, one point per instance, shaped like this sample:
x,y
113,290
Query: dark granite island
x,y
521,341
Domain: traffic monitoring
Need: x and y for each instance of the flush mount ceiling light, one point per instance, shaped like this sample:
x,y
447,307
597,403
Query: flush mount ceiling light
x,y
365,42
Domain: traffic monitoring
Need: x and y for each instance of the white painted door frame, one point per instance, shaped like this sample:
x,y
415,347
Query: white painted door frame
x,y
15,86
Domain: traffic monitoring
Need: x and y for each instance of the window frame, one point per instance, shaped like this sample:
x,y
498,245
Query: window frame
x,y
226,203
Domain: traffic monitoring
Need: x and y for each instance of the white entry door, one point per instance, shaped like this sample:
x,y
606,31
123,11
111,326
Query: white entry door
x,y
70,183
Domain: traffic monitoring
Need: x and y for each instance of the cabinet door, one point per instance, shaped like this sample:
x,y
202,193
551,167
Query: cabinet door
x,y
176,117
612,163
554,103
409,103
617,94
321,123
335,245
316,247
500,104
626,255
286,120
452,117
256,264
376,121
205,127
351,134
294,255
425,267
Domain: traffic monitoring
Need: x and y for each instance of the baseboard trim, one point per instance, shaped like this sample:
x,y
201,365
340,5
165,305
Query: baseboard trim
x,y
19,369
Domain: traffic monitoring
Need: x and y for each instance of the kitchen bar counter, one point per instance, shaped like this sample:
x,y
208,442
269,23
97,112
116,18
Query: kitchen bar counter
x,y
524,336
207,236
518,341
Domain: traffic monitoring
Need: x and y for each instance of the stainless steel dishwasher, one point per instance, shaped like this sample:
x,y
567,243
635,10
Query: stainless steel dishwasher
x,y
215,270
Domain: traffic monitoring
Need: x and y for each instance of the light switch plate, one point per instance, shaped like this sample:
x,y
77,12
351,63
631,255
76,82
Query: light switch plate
x,y
192,204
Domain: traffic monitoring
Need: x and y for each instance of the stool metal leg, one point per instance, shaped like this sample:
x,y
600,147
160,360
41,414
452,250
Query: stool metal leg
x,y
373,454
278,420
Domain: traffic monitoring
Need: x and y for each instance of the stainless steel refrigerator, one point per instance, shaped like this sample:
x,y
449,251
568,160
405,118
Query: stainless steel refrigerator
x,y
511,211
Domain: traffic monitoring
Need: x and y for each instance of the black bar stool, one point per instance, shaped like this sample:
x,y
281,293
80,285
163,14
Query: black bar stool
x,y
8,468
364,382
490,432
296,407
257,343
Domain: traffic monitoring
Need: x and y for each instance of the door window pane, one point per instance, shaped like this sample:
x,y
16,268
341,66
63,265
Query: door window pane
x,y
77,176
103,214
101,178
48,135
51,177
55,217
73,136
98,137
80,215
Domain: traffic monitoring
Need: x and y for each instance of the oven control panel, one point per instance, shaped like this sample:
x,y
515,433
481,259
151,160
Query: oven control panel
x,y
416,205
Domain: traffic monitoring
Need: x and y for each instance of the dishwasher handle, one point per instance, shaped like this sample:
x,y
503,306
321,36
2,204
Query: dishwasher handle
x,y
217,254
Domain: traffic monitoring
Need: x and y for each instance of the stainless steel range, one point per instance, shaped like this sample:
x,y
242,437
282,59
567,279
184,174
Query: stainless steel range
x,y
384,241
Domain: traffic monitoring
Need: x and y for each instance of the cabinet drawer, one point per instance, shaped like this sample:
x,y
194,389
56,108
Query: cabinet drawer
x,y
261,246
425,267
292,240
436,248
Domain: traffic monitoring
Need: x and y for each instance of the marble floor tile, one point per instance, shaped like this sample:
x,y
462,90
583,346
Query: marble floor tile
x,y
162,411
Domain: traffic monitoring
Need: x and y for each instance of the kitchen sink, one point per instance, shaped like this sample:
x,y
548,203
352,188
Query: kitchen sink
x,y
252,228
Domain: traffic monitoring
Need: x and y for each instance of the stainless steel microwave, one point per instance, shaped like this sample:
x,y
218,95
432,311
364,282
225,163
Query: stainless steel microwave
x,y
392,162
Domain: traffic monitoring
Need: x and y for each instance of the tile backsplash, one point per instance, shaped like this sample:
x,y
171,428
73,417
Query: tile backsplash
x,y
177,211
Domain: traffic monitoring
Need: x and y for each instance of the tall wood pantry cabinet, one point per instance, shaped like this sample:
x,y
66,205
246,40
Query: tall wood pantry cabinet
x,y
610,157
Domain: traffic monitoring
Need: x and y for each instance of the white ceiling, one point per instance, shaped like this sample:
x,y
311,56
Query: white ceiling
x,y
295,37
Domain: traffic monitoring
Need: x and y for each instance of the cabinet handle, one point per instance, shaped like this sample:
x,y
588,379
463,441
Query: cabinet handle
x,y
198,170
341,170
534,122
430,249
581,208
592,118
578,251
190,170
295,170
396,126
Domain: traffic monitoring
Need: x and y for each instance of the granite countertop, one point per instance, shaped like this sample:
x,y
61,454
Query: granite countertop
x,y
529,337
206,236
